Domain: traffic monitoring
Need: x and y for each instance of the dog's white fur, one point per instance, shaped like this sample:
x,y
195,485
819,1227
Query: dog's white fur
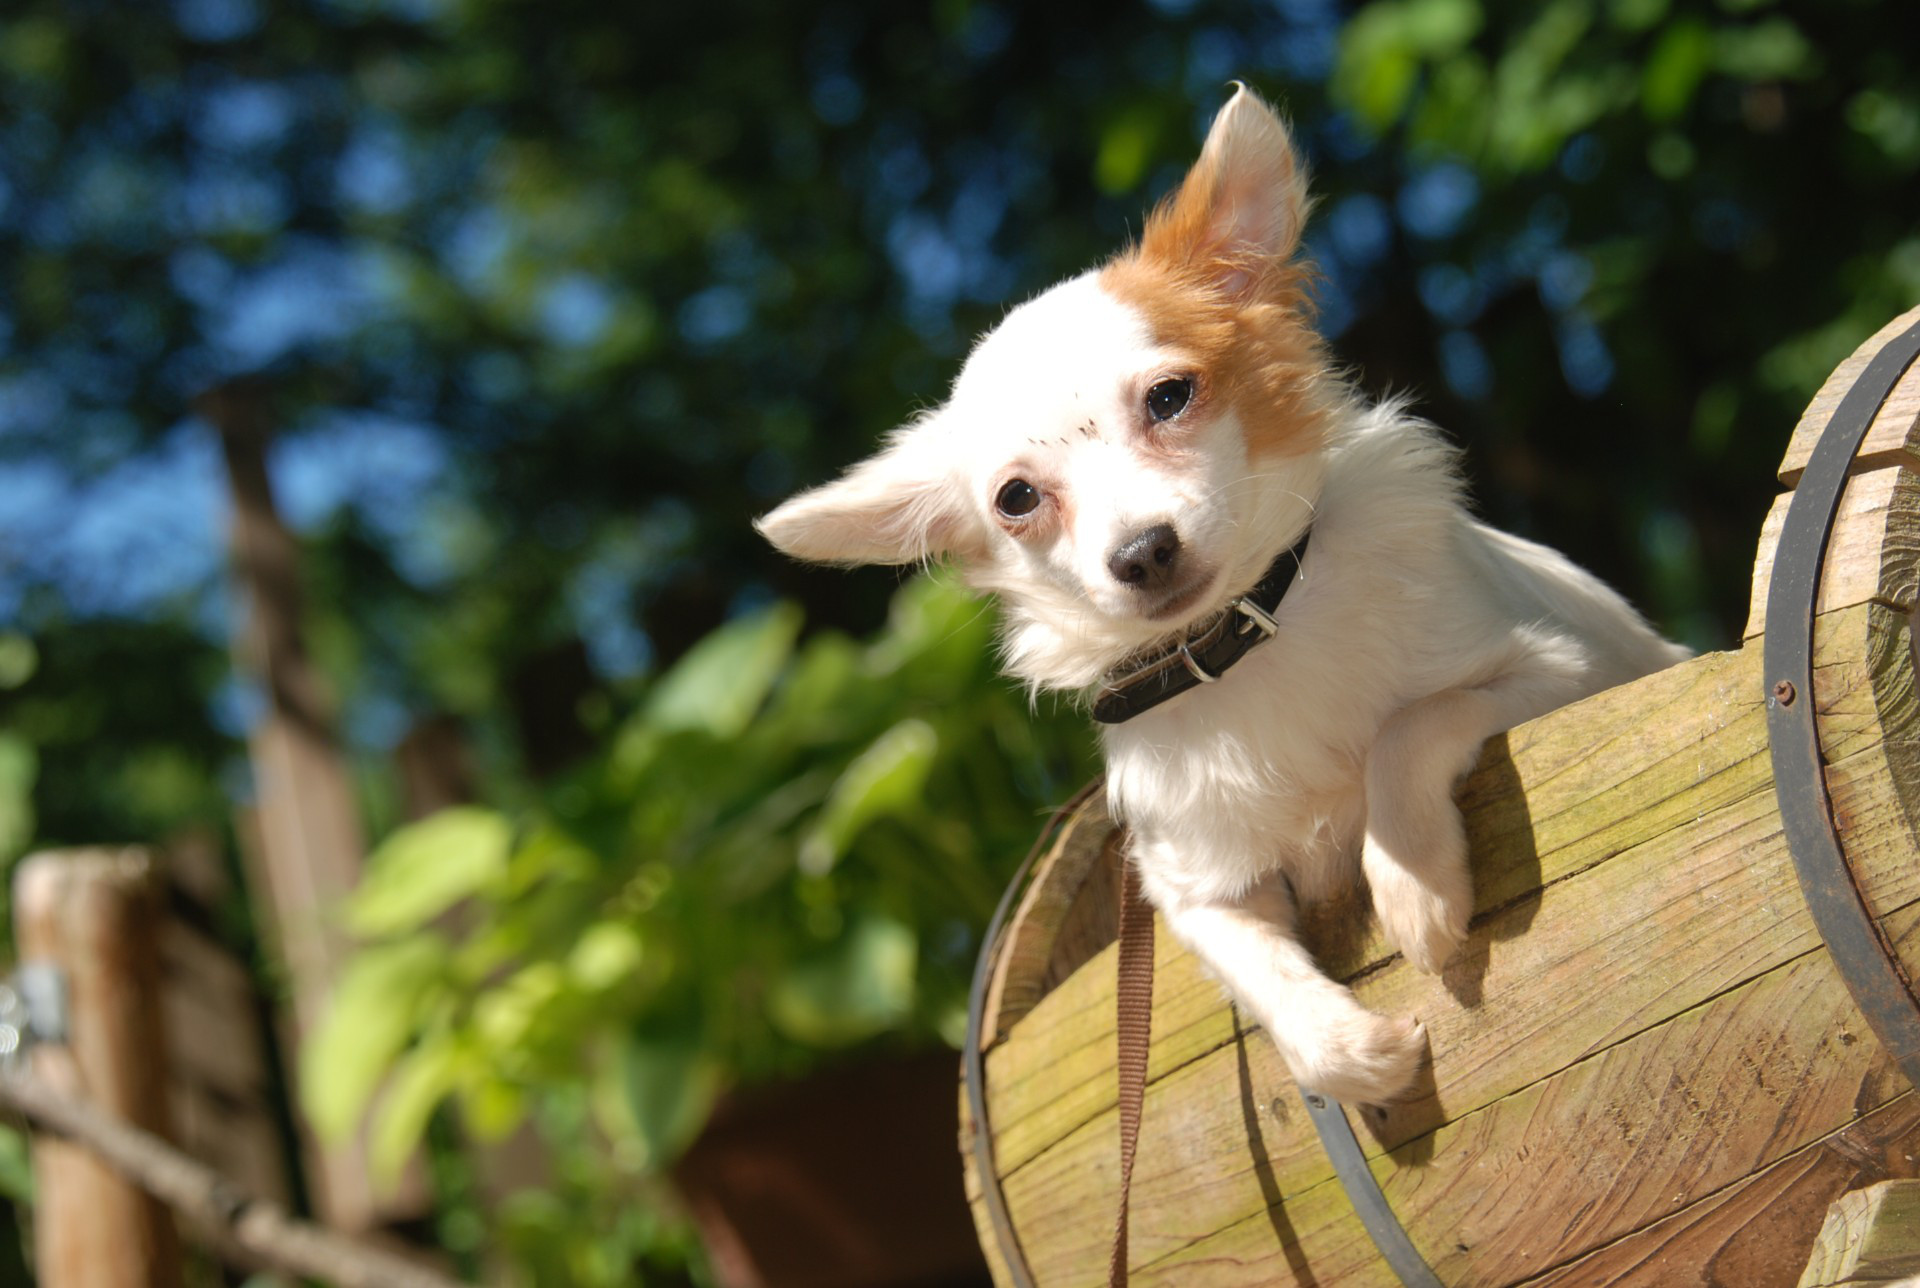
x,y
1413,634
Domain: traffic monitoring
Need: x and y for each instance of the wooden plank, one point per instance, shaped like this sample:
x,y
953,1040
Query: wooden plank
x,y
89,915
1722,903
970,1181
1608,1146
1732,1237
238,1139
1027,962
212,1029
1551,798
1744,841
1870,1236
1872,553
1891,439
1868,694
311,840
1585,783
1891,648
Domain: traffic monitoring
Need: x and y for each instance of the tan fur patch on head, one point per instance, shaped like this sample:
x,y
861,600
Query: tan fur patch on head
x,y
1216,279
1257,352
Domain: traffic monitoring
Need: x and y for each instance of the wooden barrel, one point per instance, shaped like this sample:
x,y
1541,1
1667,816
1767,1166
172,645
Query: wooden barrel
x,y
1649,1065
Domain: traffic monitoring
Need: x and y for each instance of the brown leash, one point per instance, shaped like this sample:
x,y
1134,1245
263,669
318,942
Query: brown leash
x,y
1133,1023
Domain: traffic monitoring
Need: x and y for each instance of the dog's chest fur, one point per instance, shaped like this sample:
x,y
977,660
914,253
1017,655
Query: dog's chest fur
x,y
1263,769
1403,594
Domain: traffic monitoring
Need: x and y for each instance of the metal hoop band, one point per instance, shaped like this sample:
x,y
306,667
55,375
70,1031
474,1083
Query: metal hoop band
x,y
1864,959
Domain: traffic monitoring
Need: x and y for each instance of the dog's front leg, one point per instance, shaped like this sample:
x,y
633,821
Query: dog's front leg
x,y
1329,1041
1415,854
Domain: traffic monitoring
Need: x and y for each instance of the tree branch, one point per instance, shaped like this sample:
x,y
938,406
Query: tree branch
x,y
193,1189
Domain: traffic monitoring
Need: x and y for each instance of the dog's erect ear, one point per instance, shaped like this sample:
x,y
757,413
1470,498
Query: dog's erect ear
x,y
1241,208
900,506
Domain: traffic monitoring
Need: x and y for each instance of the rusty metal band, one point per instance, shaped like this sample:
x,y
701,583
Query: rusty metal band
x,y
1864,959
973,1071
1363,1191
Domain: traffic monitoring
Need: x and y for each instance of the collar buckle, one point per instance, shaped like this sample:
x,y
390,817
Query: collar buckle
x,y
1257,615
1244,624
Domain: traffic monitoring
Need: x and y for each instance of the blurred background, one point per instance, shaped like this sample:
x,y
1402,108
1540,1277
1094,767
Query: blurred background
x,y
386,390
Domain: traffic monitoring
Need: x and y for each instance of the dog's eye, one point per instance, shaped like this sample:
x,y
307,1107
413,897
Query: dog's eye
x,y
1167,398
1018,497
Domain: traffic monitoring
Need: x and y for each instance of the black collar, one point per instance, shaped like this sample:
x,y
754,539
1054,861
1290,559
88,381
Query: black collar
x,y
1207,652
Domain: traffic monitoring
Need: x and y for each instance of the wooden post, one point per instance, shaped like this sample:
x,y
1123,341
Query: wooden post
x,y
1871,1237
311,840
91,916
222,1091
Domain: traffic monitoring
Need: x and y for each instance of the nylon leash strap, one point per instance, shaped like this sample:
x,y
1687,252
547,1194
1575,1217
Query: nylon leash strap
x,y
1133,1026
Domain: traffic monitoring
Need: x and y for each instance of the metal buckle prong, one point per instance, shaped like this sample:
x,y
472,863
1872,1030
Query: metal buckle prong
x,y
1200,673
1257,615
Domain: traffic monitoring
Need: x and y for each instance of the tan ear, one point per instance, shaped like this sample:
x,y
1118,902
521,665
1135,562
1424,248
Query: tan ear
x,y
899,506
1240,210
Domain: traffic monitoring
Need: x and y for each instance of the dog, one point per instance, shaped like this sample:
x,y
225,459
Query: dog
x,y
1269,588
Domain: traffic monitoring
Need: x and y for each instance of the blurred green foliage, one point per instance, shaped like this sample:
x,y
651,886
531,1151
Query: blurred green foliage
x,y
782,856
548,300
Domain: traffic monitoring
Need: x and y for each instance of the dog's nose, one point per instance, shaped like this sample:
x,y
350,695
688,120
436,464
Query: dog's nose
x,y
1146,560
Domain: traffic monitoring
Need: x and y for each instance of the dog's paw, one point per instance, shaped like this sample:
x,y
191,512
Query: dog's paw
x,y
1425,919
1427,929
1367,1060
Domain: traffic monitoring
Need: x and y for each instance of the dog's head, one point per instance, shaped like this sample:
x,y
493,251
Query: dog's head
x,y
1130,449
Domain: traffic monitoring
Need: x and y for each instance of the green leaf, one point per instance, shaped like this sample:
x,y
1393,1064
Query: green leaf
x,y
1383,47
420,1081
1637,15
425,868
371,1017
1674,69
887,778
863,985
491,1107
19,767
819,682
1770,50
721,682
935,629
656,1094
18,659
505,1015
16,1169
607,953
1126,146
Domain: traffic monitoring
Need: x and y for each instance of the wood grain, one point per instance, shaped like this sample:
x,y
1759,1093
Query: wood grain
x,y
1731,1239
92,916
1591,781
1870,1236
1720,888
1608,1146
1890,439
1549,800
1871,554
1739,906
1051,909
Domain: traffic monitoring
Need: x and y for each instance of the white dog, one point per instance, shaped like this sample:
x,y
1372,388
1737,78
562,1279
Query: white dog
x,y
1140,463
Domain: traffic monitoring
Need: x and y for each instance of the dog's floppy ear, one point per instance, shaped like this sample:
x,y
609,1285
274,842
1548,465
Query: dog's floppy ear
x,y
899,506
1240,209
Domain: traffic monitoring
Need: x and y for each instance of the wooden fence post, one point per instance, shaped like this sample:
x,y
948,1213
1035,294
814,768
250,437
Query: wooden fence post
x,y
311,842
92,916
